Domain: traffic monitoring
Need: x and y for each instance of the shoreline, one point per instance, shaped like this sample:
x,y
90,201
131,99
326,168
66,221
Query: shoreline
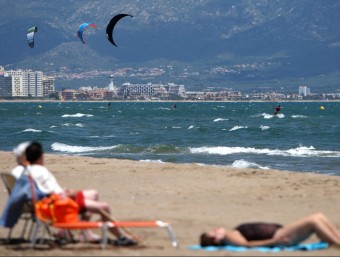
x,y
171,101
191,197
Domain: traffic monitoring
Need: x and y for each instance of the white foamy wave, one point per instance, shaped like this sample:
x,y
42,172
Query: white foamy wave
x,y
238,127
299,116
224,150
32,130
300,151
219,119
264,127
79,149
53,126
76,125
312,152
191,127
245,164
153,161
267,116
77,115
270,116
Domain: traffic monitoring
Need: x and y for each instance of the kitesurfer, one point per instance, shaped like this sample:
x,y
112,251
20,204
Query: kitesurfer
x,y
277,109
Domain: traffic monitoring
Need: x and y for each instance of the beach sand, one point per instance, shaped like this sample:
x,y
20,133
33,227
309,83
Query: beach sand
x,y
193,198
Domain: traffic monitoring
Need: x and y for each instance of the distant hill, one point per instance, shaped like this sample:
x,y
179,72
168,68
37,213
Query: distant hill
x,y
241,44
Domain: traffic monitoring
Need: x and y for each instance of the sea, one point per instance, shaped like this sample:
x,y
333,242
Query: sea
x,y
303,137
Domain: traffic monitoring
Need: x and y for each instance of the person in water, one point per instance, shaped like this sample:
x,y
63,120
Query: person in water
x,y
277,109
273,234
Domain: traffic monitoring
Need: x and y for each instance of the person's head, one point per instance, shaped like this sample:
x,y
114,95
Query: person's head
x,y
20,153
214,237
34,153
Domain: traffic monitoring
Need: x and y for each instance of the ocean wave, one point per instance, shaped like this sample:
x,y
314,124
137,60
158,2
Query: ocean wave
x,y
238,127
76,125
77,115
267,116
60,147
299,116
270,116
264,127
192,127
32,130
219,119
153,161
301,151
245,164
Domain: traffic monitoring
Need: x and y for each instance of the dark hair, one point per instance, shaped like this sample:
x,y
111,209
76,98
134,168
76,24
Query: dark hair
x,y
34,151
206,240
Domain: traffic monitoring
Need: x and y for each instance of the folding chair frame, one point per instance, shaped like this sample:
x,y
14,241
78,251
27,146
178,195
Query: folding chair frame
x,y
103,225
27,212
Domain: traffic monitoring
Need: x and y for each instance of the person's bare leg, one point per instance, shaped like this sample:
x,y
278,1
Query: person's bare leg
x,y
91,194
95,207
326,230
302,229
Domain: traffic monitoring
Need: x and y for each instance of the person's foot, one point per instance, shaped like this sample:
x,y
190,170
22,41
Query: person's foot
x,y
124,241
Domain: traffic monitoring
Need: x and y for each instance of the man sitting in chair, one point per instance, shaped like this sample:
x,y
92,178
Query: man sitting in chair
x,y
87,200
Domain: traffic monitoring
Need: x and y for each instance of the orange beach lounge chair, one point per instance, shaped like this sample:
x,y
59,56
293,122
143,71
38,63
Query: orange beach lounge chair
x,y
42,221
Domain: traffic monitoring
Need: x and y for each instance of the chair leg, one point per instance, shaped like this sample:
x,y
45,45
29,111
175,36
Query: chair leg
x,y
172,236
34,234
104,236
30,230
24,228
9,235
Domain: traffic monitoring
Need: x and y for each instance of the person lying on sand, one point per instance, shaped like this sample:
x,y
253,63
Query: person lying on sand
x,y
273,234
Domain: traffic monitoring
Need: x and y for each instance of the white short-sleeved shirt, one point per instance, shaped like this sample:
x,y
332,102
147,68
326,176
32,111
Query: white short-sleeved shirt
x,y
17,171
44,179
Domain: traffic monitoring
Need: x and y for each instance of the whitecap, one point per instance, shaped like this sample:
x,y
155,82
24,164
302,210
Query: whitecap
x,y
245,164
153,161
267,116
32,130
79,149
77,115
301,151
224,150
219,119
299,116
264,127
238,127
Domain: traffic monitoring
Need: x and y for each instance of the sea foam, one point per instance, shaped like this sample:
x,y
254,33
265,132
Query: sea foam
x,y
77,115
60,147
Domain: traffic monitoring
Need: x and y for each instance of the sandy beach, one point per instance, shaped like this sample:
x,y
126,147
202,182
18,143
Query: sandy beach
x,y
192,198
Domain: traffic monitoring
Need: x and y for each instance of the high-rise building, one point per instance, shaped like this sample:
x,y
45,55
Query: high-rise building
x,y
5,85
48,85
304,91
26,83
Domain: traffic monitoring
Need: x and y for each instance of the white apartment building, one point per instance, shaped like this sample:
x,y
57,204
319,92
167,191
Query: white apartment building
x,y
24,83
304,91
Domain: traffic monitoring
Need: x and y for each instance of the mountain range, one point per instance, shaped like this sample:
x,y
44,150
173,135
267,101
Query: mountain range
x,y
250,45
